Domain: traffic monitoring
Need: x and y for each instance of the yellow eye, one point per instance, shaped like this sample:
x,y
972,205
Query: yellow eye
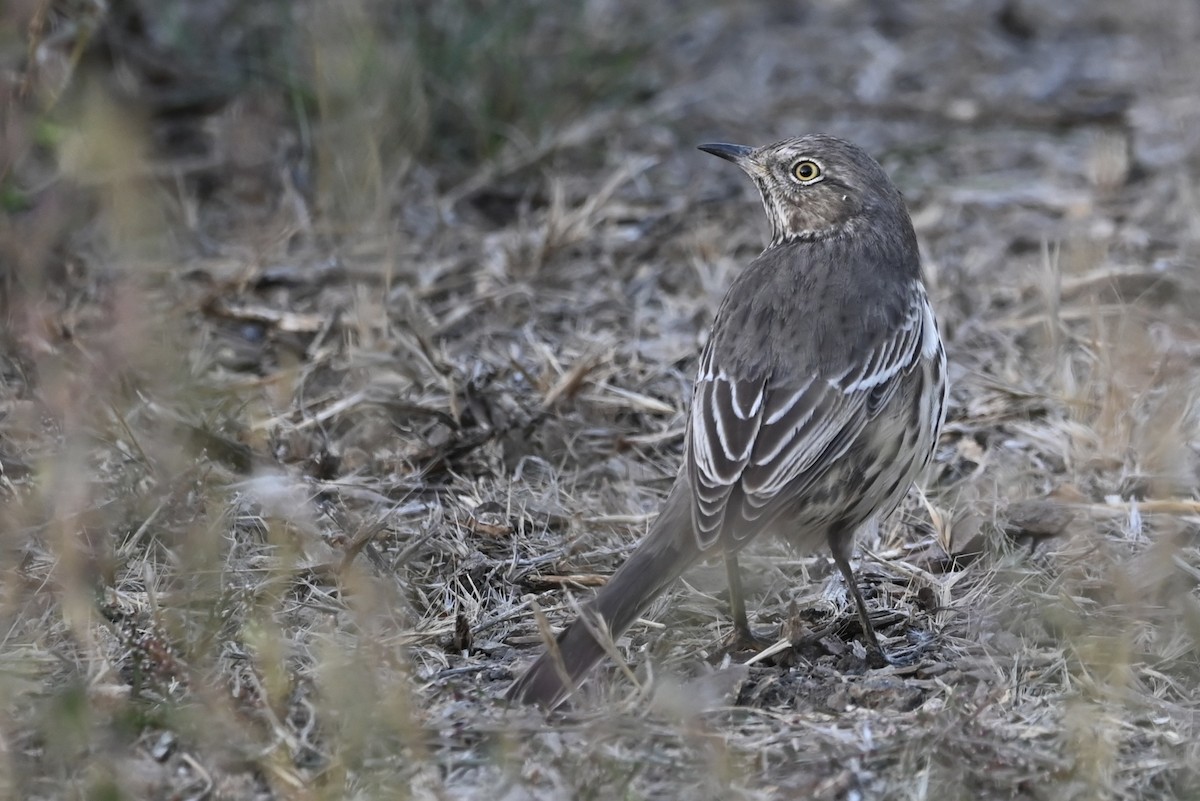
x,y
806,171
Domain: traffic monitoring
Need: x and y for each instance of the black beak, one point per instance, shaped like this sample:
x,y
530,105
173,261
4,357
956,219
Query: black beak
x,y
735,153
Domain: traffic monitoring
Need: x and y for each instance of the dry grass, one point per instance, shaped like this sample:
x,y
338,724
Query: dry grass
x,y
319,376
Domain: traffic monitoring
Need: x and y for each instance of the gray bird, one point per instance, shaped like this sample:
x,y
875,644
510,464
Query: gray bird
x,y
818,399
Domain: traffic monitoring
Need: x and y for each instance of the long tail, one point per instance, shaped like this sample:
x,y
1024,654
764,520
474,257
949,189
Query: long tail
x,y
668,550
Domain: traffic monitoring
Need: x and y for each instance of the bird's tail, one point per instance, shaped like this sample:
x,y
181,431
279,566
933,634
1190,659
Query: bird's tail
x,y
668,550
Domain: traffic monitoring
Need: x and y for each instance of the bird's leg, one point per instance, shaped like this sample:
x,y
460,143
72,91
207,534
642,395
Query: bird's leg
x,y
737,599
743,638
840,544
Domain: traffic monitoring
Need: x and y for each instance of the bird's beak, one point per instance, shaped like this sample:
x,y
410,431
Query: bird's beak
x,y
738,154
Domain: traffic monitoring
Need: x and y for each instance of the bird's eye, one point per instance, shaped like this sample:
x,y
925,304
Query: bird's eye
x,y
806,171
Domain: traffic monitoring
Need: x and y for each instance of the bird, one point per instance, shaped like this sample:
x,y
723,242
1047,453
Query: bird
x,y
819,397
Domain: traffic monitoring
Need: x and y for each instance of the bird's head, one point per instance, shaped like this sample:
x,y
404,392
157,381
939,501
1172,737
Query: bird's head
x,y
816,186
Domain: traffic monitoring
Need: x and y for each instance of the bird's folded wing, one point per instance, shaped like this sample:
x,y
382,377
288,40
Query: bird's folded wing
x,y
754,441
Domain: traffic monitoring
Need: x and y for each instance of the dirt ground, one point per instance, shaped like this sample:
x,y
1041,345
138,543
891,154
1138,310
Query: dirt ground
x,y
340,339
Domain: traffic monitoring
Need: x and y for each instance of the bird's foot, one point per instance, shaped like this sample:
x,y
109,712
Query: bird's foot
x,y
903,656
744,640
878,658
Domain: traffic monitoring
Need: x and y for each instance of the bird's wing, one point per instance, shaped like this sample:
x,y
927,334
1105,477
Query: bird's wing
x,y
756,440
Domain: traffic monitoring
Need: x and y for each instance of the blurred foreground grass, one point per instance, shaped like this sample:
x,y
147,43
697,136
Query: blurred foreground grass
x,y
165,591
